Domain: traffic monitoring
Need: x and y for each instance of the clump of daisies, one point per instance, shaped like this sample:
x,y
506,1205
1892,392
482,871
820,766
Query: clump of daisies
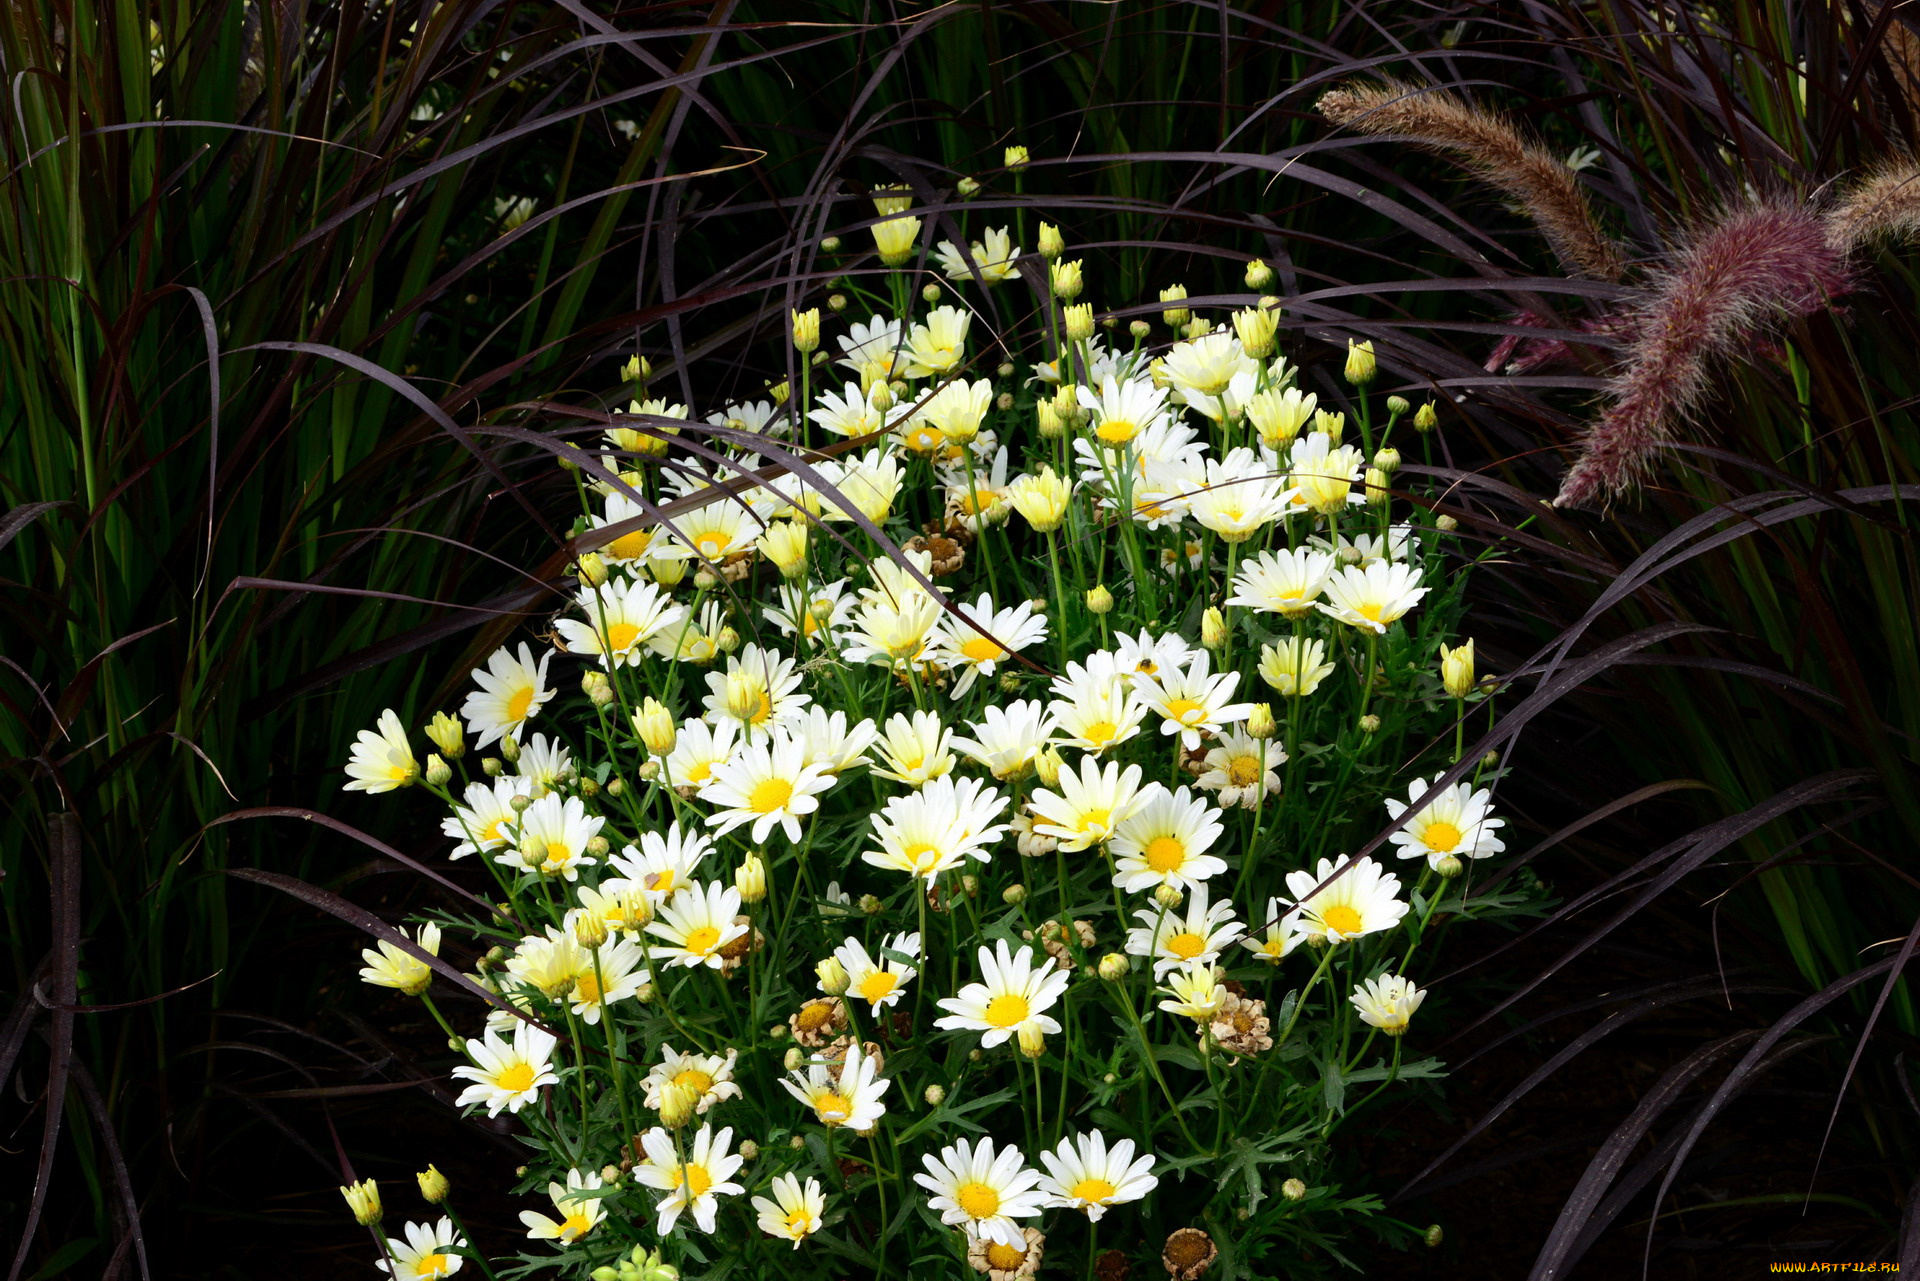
x,y
980,890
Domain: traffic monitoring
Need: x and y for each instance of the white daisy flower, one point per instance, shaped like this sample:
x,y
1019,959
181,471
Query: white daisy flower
x,y
766,783
1202,369
992,257
1008,739
554,833
1239,497
1323,474
512,690
1145,654
869,483
1123,409
424,1252
1280,934
854,412
614,972
1013,994
982,499
714,532
696,924
794,1213
382,761
709,1076
829,743
486,821
934,829
549,961
391,967
961,647
507,1074
1372,597
622,616
806,610
1362,900
936,346
542,765
697,750
579,1214
1165,842
850,1097
871,349
1199,932
1091,803
1454,823
900,636
638,545
1241,768
1195,992
1191,702
1083,1173
695,1184
1283,582
1387,1002
695,638
663,862
1295,666
759,689
984,1191
878,983
914,749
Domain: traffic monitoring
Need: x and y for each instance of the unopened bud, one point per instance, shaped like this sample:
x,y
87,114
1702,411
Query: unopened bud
x,y
750,879
598,846
510,749
728,640
806,329
1114,967
677,1103
1258,275
1079,321
518,804
1434,1236
1213,628
439,773
1003,402
649,770
1260,721
1387,459
447,735
616,786
930,292
1051,243
1490,761
1140,329
935,1095
836,303
1168,895
1014,895
1294,1190
1175,316
1361,366
654,724
970,886
1448,866
1099,599
592,569
1033,1041
831,244
1445,523
869,905
1017,158
433,1184
1398,405
1426,418
1048,764
1378,491
1369,723
967,188
363,1199
590,930
833,976
793,1058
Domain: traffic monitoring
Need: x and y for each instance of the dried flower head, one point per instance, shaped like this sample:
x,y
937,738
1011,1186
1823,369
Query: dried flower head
x,y
1188,1254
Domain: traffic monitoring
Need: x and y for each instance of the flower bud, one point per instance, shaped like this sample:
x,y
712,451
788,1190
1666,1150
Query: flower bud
x,y
649,770
447,735
592,569
831,244
1260,721
1033,1041
677,1103
644,994
1175,316
1014,895
1067,279
728,640
654,724
930,292
1213,628
1361,366
1448,866
519,804
1398,405
1445,523
1198,327
1079,321
1259,275
363,1199
1048,418
510,749
1434,1236
590,931
1378,489
1099,599
1456,669
1256,327
833,976
668,573
785,544
1294,1190
750,879
1048,764
1017,158
968,188
780,391
438,771
742,696
1426,418
806,329
1490,761
1051,243
1003,402
1168,896
1139,329
1387,459
616,786
1114,966
793,1058
433,1184
601,692
1369,723
836,303
869,905
935,1095
637,369
970,886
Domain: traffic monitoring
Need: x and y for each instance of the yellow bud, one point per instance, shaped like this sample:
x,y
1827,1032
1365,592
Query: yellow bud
x,y
1051,427
1256,327
1387,459
439,773
1033,1041
806,329
590,930
1378,491
1175,316
896,239
1260,721
592,569
1360,363
833,976
1067,279
930,292
1294,1190
1456,669
433,1184
363,1199
1017,158
968,188
1213,628
743,696
1048,764
636,370
1168,896
785,544
1051,243
892,200
668,573
510,749
750,878
780,391
1259,275
677,1103
654,724
1330,423
1099,599
447,735
1445,523
1114,967
1079,321
1426,418
728,640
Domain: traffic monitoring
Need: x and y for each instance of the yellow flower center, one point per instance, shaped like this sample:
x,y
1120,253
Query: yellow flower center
x,y
1342,918
695,1178
699,771
1274,946
431,1265
517,705
815,1015
1186,945
558,853
833,1107
926,439
878,986
1094,818
1098,1191
1005,1257
398,772
982,650
1242,771
1185,710
1370,610
710,545
764,712
516,1079
977,1199
1007,1009
586,989
621,636
922,857
700,941
770,795
662,882
1100,733
1116,431
630,546
1166,854
799,1223
1441,837
576,1226
491,833
694,1079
